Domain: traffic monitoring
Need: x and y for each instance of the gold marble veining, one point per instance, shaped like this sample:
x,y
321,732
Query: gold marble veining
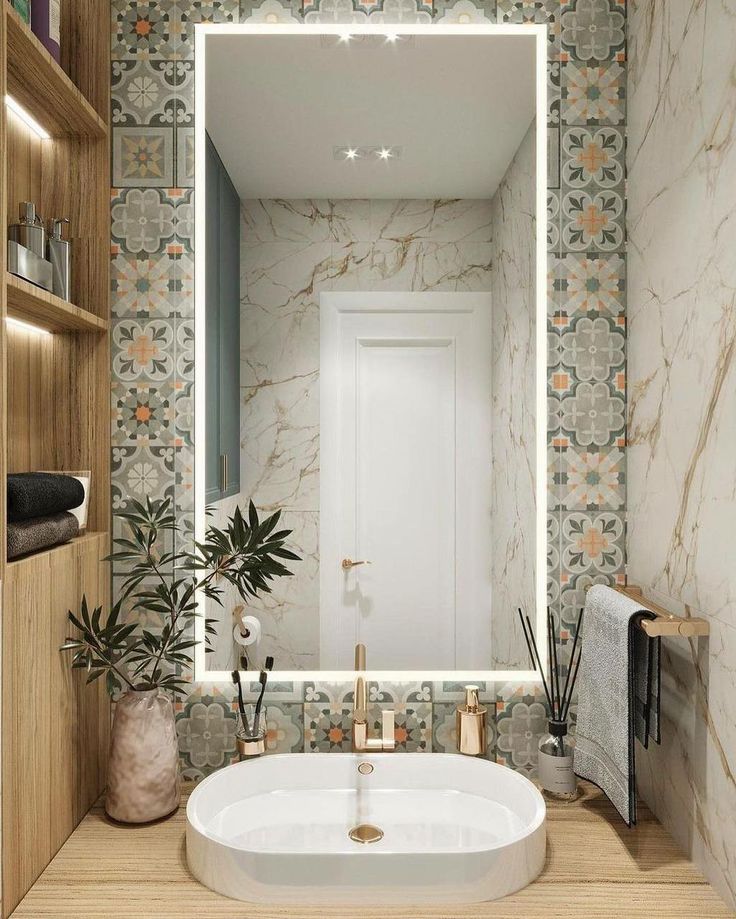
x,y
682,402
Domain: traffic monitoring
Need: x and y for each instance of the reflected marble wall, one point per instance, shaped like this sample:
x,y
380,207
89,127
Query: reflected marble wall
x,y
513,364
291,252
682,403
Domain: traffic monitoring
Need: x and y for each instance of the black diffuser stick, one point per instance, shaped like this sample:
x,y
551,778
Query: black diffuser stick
x,y
567,692
553,632
526,639
572,684
539,662
550,661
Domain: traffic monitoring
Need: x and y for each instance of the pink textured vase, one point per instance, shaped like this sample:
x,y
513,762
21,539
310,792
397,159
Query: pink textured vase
x,y
143,772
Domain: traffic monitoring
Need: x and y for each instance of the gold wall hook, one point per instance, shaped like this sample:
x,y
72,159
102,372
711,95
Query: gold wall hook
x,y
348,563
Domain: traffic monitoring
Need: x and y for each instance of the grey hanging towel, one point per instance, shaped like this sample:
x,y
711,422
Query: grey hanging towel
x,y
618,695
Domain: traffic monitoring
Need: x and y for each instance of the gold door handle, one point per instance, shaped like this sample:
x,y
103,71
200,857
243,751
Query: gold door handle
x,y
348,563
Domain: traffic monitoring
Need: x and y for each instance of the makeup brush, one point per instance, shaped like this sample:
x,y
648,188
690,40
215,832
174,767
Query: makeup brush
x,y
263,679
241,705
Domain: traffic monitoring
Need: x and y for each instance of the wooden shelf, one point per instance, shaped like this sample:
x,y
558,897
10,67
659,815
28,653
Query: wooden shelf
x,y
39,84
34,557
36,305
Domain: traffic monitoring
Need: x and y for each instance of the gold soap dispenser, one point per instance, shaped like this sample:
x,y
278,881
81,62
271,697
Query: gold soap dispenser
x,y
471,724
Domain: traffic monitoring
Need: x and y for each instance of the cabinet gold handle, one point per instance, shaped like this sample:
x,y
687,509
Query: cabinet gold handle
x,y
223,471
348,563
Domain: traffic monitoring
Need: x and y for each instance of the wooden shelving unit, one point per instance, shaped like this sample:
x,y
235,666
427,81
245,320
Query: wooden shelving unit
x,y
48,555
42,87
29,303
54,414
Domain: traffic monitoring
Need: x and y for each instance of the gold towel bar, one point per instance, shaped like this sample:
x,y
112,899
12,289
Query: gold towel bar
x,y
665,623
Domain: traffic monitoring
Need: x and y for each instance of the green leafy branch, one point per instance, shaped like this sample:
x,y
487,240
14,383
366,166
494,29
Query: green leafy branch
x,y
247,553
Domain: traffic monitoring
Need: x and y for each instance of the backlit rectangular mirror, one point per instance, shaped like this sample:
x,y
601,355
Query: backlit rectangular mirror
x,y
370,334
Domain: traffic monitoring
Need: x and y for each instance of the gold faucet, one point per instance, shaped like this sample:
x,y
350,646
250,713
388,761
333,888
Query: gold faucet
x,y
361,742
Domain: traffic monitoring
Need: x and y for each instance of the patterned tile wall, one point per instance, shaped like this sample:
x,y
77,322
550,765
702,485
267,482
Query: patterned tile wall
x,y
153,371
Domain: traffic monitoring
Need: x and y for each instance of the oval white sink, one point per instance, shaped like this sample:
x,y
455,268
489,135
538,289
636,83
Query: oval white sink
x,y
455,829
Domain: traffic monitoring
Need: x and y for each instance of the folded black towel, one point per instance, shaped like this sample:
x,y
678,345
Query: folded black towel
x,y
42,533
40,494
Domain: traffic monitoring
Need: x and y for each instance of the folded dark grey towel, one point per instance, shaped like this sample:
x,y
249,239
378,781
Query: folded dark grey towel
x,y
32,535
618,695
40,494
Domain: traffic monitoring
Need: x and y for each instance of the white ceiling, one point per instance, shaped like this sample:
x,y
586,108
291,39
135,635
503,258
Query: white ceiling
x,y
457,105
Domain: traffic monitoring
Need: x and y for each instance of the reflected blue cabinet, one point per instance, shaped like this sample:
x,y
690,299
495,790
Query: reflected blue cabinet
x,y
222,372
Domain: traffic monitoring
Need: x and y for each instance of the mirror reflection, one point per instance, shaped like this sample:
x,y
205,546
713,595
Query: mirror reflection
x,y
371,366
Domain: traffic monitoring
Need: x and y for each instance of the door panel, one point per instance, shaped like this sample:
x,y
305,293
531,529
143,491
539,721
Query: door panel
x,y
405,480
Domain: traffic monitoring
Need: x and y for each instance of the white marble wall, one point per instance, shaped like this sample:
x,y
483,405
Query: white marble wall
x,y
682,402
291,252
513,380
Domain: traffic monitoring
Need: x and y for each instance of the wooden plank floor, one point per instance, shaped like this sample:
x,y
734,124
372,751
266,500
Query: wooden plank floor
x,y
595,867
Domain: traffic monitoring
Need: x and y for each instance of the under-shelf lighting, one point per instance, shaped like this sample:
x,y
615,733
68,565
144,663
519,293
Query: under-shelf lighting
x,y
26,326
26,118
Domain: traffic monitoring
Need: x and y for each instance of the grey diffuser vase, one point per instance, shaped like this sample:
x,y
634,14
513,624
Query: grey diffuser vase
x,y
143,772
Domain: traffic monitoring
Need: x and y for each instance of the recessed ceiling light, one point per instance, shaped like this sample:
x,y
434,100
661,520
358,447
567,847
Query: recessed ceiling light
x,y
367,153
345,37
392,37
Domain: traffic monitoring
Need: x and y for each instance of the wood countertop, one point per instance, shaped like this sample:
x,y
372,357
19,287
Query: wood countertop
x,y
595,867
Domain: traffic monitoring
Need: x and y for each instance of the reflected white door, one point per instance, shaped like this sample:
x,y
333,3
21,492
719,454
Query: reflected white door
x,y
405,448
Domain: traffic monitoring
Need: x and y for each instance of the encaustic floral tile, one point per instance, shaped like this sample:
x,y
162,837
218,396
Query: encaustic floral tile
x,y
328,726
152,286
535,12
142,472
143,350
412,725
206,725
521,717
592,479
143,156
593,30
593,542
593,94
383,692
142,29
163,28
444,728
148,220
588,284
144,414
144,92
592,415
592,349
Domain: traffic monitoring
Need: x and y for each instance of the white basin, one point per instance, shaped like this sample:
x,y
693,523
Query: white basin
x,y
456,829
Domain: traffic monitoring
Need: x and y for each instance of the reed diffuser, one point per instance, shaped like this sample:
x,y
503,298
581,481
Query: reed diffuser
x,y
555,762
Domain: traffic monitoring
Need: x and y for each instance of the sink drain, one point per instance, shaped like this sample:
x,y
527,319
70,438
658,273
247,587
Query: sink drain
x,y
365,833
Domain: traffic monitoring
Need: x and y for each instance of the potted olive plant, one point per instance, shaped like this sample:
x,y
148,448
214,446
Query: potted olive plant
x,y
145,666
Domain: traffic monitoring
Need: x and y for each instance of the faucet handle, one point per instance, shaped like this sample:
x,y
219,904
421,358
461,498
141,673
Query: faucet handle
x,y
388,724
